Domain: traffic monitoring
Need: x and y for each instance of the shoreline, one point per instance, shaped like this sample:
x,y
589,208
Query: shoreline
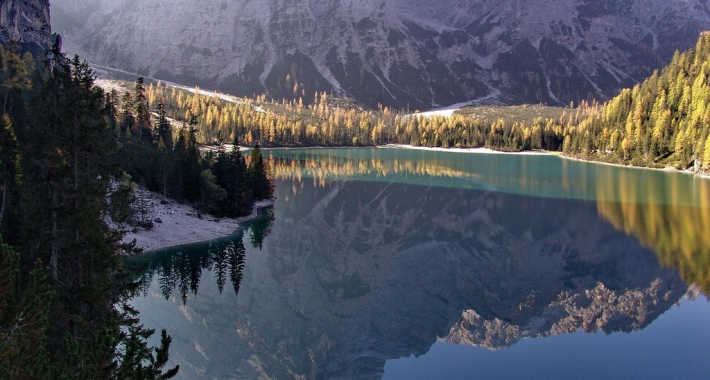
x,y
464,150
181,224
667,169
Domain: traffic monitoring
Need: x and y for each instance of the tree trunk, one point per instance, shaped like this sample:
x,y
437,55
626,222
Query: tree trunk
x,y
165,180
2,205
54,248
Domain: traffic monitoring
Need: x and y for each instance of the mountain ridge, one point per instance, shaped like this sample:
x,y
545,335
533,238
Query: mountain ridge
x,y
395,52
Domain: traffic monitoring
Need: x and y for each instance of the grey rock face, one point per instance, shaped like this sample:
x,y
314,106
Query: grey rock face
x,y
25,21
398,52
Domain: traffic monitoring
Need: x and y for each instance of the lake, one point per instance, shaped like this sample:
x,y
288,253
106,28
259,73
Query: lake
x,y
411,264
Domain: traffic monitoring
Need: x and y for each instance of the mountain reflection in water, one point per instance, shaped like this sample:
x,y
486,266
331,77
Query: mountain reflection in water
x,y
181,269
362,269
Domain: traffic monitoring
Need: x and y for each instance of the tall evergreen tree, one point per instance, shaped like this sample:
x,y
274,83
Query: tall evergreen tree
x,y
9,162
260,175
191,163
142,112
239,191
65,199
127,121
24,308
164,129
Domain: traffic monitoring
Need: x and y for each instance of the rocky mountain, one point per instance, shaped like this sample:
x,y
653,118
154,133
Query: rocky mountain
x,y
415,53
354,274
25,21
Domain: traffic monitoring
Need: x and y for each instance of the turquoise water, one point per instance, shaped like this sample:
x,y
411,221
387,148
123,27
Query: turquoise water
x,y
399,264
538,175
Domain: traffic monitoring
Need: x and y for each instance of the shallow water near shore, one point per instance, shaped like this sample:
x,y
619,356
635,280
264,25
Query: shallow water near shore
x,y
399,264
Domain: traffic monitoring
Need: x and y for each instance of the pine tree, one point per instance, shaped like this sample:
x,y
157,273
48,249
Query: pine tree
x,y
112,108
9,162
240,193
64,196
260,176
24,307
142,113
128,121
191,163
164,129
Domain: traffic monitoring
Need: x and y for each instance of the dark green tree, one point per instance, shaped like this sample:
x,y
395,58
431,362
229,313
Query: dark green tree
x,y
64,196
142,112
260,176
163,127
9,162
127,120
239,191
24,308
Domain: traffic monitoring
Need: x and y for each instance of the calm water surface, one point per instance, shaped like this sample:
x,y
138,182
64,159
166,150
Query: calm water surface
x,y
409,264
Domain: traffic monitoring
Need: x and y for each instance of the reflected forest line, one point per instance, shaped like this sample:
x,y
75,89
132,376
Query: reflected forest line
x,y
181,271
677,234
667,212
384,264
537,175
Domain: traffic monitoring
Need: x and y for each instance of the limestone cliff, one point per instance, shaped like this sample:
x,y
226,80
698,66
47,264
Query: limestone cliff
x,y
25,21
395,52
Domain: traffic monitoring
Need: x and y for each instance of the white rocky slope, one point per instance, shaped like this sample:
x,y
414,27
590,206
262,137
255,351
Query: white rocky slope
x,y
398,52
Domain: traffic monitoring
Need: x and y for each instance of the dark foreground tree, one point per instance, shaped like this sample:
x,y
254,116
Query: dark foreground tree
x,y
73,304
24,307
260,175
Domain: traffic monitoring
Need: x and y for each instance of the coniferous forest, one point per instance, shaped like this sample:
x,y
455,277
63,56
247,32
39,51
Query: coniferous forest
x,y
170,162
665,121
64,288
661,122
71,155
332,121
70,158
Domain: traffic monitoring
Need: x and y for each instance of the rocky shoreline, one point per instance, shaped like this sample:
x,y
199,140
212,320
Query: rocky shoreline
x,y
178,224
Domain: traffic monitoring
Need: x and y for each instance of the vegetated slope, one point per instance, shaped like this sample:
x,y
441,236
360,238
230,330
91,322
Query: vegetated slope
x,y
329,122
64,289
663,122
400,53
169,161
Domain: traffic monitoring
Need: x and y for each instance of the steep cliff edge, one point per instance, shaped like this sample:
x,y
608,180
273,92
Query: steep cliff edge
x,y
25,21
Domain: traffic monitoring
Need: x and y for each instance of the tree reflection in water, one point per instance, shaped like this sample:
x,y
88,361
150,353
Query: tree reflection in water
x,y
181,271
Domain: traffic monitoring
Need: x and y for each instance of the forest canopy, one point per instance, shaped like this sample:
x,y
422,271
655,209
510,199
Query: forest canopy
x,y
659,123
64,287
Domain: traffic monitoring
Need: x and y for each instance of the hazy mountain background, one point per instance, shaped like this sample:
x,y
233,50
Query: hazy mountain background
x,y
416,53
